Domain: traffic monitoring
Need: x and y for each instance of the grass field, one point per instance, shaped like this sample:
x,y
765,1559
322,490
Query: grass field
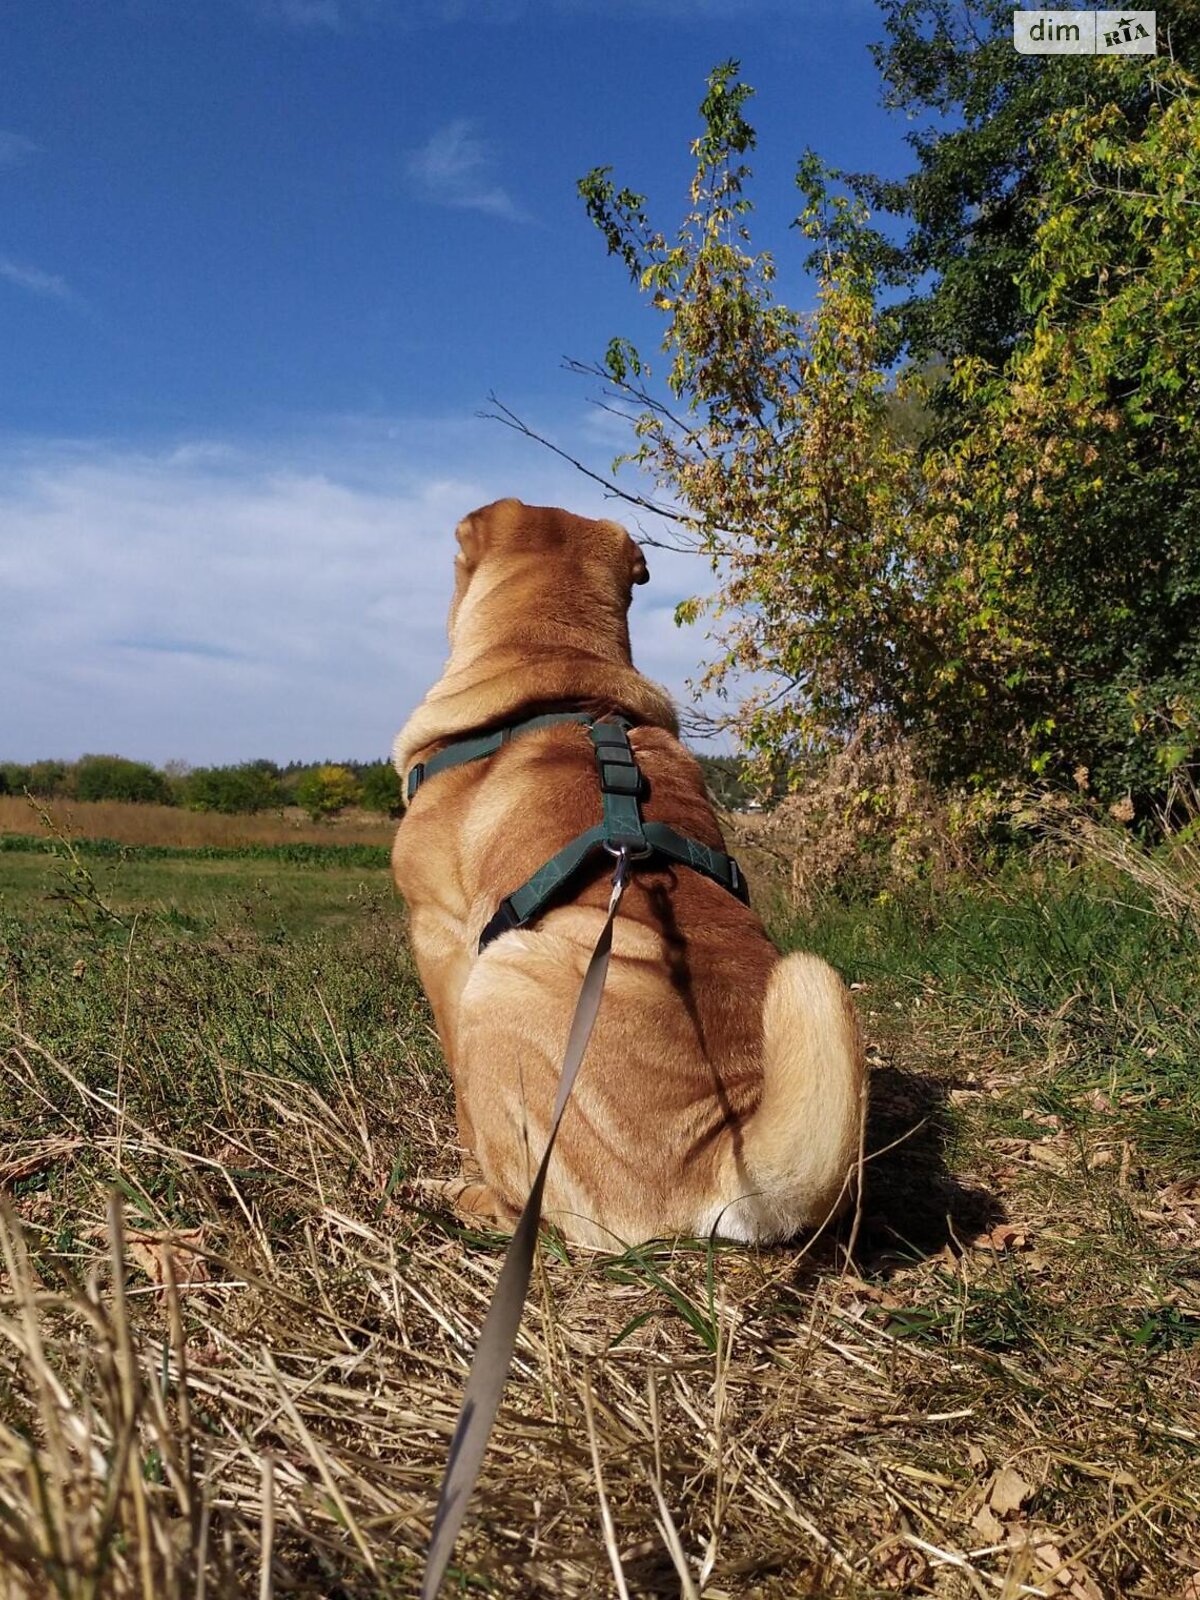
x,y
175,826
234,1329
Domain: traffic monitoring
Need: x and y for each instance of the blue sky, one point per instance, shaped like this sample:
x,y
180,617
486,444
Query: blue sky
x,y
262,262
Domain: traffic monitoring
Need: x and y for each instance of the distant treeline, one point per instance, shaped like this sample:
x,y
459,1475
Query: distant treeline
x,y
322,789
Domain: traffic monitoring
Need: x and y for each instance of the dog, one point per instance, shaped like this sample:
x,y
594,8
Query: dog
x,y
722,1091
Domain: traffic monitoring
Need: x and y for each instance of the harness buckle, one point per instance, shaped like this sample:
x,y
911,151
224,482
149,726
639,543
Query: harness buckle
x,y
619,771
503,921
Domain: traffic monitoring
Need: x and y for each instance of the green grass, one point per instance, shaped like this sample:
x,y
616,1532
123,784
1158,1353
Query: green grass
x,y
238,1050
280,890
298,854
1075,976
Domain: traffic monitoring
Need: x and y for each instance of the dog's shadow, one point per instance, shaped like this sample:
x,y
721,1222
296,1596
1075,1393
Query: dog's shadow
x,y
913,1206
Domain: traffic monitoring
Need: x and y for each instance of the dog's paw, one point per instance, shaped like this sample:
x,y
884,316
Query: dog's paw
x,y
471,1199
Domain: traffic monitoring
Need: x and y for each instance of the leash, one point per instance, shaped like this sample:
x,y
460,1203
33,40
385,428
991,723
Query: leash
x,y
498,1338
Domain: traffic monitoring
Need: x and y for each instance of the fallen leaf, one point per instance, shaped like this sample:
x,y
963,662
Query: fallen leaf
x,y
1066,1575
18,1166
1008,1491
987,1524
962,1097
904,1568
1004,1236
150,1251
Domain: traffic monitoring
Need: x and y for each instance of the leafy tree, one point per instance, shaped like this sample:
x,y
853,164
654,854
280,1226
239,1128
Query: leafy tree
x,y
324,791
1074,473
996,590
50,778
787,475
252,786
379,785
114,778
46,779
979,110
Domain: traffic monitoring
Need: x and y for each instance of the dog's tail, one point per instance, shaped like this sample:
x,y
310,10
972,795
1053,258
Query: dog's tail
x,y
792,1163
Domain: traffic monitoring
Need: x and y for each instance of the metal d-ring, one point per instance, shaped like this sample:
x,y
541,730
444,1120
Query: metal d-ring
x,y
625,848
624,854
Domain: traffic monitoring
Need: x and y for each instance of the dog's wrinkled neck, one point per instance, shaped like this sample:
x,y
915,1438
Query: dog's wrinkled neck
x,y
523,639
529,605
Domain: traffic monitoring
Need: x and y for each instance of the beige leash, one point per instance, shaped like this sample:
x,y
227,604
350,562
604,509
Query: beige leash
x,y
493,1354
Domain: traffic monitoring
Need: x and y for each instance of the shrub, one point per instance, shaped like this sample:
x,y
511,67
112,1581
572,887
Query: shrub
x,y
866,821
379,785
324,791
252,786
114,778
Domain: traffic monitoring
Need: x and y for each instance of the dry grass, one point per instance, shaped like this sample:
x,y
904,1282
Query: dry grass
x,y
127,823
864,821
1169,874
233,1334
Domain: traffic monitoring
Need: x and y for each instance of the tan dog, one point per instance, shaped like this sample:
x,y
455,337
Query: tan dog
x,y
722,1089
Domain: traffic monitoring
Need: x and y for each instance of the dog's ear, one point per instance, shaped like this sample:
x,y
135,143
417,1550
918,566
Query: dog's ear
x,y
470,536
477,532
639,572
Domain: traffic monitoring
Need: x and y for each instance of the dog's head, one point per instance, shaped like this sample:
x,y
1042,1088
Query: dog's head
x,y
596,557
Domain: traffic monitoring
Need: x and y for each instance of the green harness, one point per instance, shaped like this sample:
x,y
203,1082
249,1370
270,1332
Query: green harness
x,y
621,829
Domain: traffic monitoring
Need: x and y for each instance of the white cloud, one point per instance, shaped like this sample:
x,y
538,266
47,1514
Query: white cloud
x,y
219,604
35,280
16,148
454,169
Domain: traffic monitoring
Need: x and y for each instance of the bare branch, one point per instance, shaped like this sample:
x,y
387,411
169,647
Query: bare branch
x,y
612,490
699,724
642,397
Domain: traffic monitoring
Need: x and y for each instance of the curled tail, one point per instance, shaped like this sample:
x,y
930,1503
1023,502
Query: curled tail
x,y
791,1164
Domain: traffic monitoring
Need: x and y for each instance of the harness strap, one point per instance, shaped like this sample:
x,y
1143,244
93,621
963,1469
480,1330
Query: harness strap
x,y
622,828
486,744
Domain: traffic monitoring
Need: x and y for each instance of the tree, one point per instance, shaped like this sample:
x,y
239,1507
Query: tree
x,y
979,110
994,590
324,791
724,781
46,779
780,458
1074,471
380,788
114,778
252,786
